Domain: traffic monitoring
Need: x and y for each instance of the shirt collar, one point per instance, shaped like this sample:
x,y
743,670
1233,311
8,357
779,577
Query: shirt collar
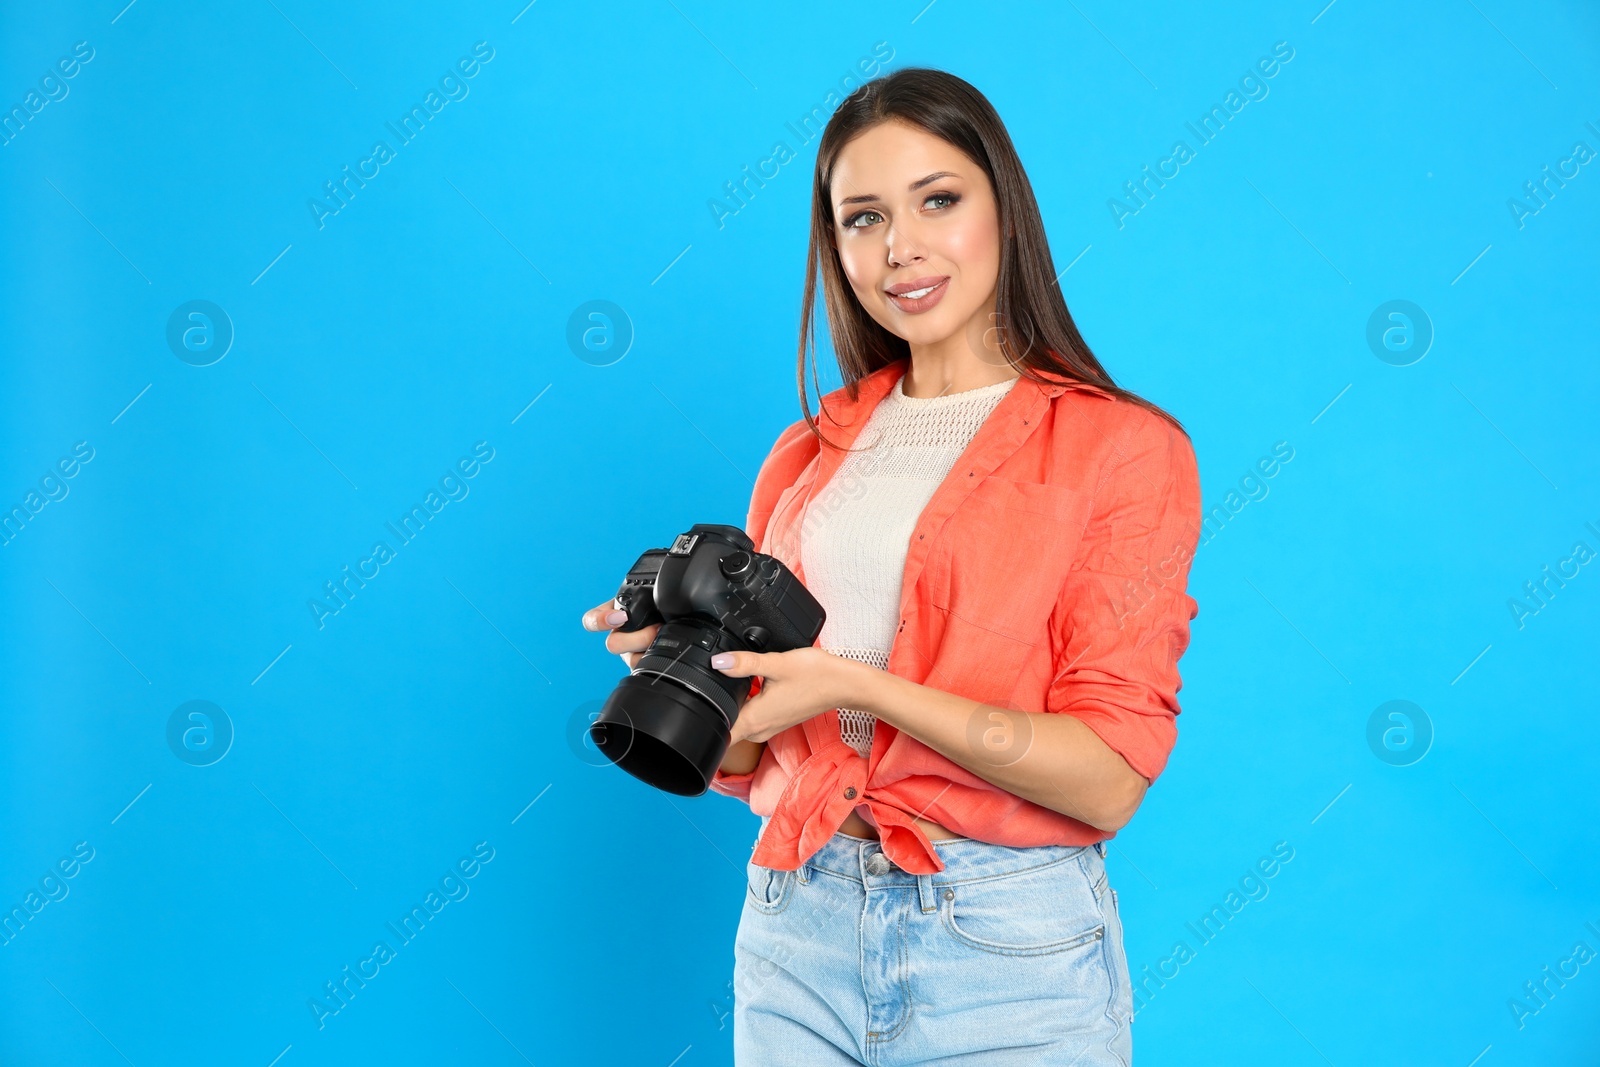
x,y
849,415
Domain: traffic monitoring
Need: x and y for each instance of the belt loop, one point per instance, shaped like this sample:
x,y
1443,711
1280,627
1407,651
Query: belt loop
x,y
929,901
1100,847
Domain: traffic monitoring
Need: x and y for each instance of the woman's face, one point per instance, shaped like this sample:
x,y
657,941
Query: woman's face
x,y
918,232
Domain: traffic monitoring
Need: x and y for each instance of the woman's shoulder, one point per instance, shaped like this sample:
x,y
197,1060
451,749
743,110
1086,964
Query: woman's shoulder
x,y
1107,432
794,448
836,412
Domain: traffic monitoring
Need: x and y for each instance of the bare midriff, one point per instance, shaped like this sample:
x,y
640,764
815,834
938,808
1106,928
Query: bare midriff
x,y
856,826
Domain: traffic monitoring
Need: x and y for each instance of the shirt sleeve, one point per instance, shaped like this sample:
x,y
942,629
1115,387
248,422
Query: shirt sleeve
x,y
789,453
793,449
1121,622
734,785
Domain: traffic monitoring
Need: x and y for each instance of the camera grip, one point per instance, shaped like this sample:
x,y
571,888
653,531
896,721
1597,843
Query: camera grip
x,y
637,594
640,604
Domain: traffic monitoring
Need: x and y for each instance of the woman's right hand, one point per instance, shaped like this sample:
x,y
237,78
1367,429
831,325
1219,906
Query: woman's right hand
x,y
630,646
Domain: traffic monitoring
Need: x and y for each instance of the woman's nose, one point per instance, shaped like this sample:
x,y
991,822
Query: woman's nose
x,y
902,246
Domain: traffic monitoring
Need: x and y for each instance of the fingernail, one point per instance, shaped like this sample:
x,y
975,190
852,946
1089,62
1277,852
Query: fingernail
x,y
616,618
721,660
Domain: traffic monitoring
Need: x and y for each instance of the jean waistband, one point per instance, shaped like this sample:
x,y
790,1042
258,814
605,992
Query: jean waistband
x,y
965,859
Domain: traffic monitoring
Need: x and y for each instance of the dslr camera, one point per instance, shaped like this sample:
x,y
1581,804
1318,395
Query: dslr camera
x,y
668,722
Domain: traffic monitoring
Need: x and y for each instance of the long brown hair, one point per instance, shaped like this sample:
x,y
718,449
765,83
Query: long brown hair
x,y
1039,337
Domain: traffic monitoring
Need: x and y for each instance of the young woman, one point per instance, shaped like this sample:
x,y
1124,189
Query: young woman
x,y
1001,538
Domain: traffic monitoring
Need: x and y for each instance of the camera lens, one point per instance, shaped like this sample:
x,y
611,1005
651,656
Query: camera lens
x,y
668,722
661,733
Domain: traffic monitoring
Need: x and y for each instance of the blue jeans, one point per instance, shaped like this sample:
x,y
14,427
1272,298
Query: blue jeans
x,y
1007,956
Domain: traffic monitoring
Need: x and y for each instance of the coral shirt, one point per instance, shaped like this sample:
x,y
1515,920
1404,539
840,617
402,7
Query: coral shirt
x,y
1046,574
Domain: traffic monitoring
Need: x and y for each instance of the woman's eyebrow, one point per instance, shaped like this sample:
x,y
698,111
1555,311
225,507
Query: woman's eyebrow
x,y
914,186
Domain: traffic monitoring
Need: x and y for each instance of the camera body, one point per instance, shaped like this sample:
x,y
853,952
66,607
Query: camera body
x,y
669,721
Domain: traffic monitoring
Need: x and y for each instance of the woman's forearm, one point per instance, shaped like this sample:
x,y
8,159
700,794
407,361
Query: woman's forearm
x,y
742,757
1055,761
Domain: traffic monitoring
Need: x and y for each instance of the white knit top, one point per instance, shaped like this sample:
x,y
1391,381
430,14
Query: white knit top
x,y
856,531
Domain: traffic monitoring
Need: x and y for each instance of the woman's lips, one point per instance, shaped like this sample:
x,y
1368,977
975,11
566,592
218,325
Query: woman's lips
x,y
924,303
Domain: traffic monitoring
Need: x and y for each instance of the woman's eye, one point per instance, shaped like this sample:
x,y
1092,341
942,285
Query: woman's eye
x,y
937,201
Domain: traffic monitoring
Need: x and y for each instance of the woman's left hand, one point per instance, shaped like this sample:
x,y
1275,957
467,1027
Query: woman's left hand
x,y
796,686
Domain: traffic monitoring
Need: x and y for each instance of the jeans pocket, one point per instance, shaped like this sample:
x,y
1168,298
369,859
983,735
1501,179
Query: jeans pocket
x,y
1120,1006
768,891
1035,911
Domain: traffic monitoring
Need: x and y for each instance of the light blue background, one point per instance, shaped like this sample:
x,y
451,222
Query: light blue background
x,y
435,708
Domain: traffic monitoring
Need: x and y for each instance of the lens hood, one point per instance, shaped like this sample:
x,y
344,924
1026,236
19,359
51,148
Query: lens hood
x,y
664,734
